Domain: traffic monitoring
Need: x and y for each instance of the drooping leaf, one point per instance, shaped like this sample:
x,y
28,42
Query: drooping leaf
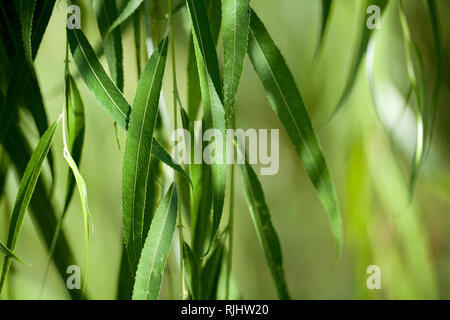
x,y
288,104
193,83
96,79
235,22
156,248
26,188
362,44
192,271
214,119
42,210
106,13
26,21
138,151
206,46
106,92
267,235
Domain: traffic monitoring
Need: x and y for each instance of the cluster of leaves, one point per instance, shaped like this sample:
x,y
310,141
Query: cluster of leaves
x,y
196,197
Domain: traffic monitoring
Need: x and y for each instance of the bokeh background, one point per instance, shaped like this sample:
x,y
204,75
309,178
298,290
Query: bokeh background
x,y
408,239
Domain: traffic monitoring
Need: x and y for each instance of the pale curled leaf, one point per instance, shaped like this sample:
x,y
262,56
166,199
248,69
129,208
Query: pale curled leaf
x,y
288,105
156,248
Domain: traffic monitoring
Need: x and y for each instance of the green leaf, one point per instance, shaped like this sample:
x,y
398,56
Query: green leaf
x,y
205,42
138,151
214,119
26,21
26,188
235,22
267,234
288,104
192,271
156,248
137,39
75,130
193,83
129,9
106,13
363,42
106,92
96,79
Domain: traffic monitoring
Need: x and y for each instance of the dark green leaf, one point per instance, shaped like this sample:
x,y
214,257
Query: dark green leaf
x,y
235,21
26,188
156,248
26,21
129,9
288,104
138,151
211,272
267,235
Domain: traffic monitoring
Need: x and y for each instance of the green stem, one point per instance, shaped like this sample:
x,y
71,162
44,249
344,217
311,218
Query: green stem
x,y
230,224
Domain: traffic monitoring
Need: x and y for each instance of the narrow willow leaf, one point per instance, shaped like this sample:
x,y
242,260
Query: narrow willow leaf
x,y
125,287
193,83
214,119
326,9
96,79
214,10
26,188
363,42
235,22
156,248
267,235
138,151
6,252
204,38
211,272
26,21
106,92
18,150
106,13
75,130
129,9
288,104
192,271
20,70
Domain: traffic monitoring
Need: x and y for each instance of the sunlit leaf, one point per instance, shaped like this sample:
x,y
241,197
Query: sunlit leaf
x,y
288,104
156,248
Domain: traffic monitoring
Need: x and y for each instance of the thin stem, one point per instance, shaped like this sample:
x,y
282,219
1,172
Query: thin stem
x,y
175,121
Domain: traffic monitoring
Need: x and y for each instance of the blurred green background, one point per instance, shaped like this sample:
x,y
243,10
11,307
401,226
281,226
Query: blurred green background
x,y
407,239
